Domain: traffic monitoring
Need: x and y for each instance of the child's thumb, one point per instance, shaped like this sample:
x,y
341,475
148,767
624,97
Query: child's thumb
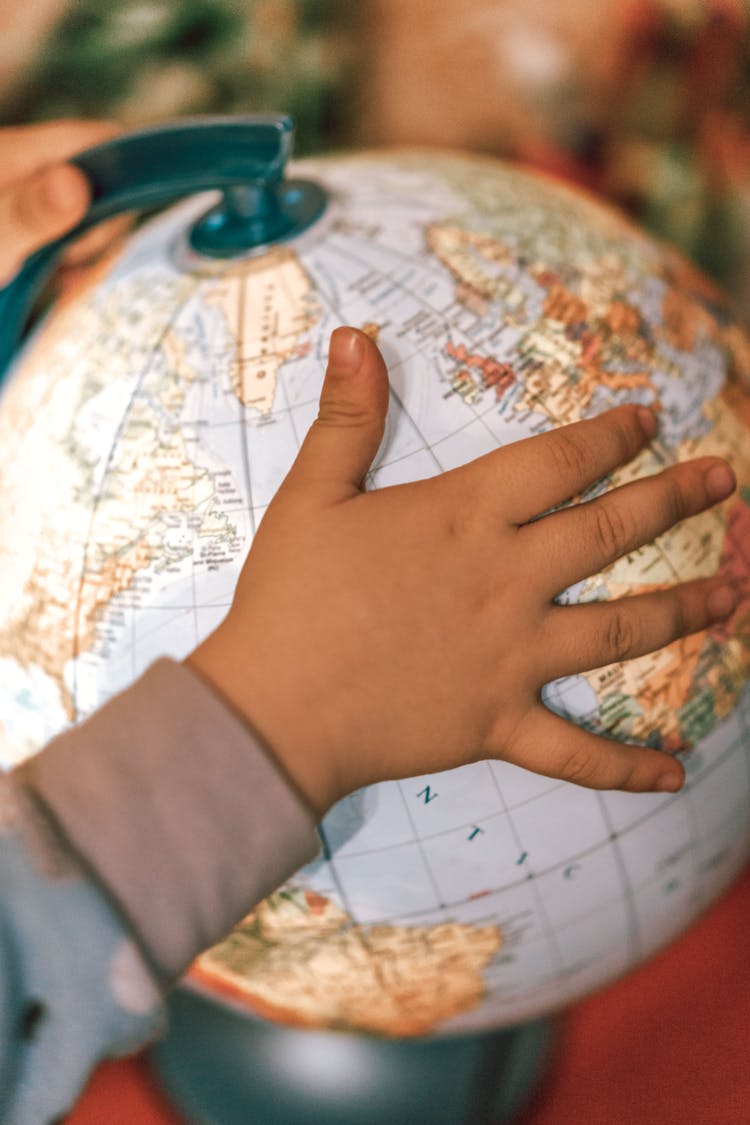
x,y
342,442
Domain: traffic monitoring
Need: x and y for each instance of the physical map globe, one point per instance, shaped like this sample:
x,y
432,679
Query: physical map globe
x,y
144,431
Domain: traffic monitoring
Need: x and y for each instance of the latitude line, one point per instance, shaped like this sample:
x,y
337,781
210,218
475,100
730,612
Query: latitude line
x,y
633,826
584,853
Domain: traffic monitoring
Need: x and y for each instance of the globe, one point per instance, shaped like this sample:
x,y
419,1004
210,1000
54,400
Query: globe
x,y
143,432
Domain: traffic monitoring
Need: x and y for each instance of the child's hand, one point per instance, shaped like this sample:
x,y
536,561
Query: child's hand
x,y
41,197
407,630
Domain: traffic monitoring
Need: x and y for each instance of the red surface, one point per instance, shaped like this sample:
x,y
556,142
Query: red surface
x,y
668,1044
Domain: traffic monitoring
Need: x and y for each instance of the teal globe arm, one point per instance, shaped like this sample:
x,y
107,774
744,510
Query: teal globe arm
x,y
244,156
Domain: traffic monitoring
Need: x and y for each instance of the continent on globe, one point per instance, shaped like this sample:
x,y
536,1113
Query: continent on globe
x,y
674,697
268,303
103,477
300,959
477,373
582,337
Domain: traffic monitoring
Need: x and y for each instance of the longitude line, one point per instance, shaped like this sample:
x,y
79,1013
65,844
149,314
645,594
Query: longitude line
x,y
546,925
97,498
241,291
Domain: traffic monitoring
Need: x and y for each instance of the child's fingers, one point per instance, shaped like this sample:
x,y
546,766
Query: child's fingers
x,y
92,245
581,540
37,210
538,473
26,149
577,638
41,196
555,747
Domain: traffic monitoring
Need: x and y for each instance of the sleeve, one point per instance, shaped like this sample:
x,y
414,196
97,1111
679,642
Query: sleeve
x,y
177,808
74,987
130,844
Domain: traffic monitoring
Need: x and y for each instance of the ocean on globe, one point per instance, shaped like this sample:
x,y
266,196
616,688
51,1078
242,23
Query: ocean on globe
x,y
143,433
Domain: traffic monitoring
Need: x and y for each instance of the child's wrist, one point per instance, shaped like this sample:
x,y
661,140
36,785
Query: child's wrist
x,y
224,665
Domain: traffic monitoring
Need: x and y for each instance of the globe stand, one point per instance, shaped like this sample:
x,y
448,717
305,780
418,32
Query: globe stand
x,y
222,1068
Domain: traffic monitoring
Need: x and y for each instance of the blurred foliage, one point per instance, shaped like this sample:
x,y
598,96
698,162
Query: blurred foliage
x,y
144,60
668,131
667,137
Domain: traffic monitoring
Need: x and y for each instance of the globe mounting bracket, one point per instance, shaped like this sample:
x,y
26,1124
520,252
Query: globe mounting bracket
x,y
242,156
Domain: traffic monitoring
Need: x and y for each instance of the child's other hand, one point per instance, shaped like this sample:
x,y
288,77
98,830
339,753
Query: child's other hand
x,y
42,197
408,630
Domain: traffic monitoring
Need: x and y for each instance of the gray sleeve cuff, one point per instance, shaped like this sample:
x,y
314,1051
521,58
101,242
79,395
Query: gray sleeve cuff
x,y
177,808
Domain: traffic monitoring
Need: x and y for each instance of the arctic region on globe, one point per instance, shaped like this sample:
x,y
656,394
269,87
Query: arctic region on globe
x,y
144,431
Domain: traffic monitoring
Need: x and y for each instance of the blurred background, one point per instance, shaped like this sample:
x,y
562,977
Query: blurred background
x,y
644,101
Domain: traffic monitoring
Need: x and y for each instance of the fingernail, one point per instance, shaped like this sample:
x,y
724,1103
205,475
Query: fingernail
x,y
669,783
345,350
720,481
648,421
63,189
722,601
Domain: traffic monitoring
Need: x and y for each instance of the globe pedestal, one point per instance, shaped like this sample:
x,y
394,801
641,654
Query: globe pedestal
x,y
221,1068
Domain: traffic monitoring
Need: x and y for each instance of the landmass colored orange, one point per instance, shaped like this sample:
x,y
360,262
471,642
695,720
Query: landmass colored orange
x,y
490,371
560,304
737,396
686,320
302,960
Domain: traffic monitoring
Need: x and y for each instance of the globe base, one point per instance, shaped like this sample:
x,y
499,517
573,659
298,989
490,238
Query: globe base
x,y
222,1068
